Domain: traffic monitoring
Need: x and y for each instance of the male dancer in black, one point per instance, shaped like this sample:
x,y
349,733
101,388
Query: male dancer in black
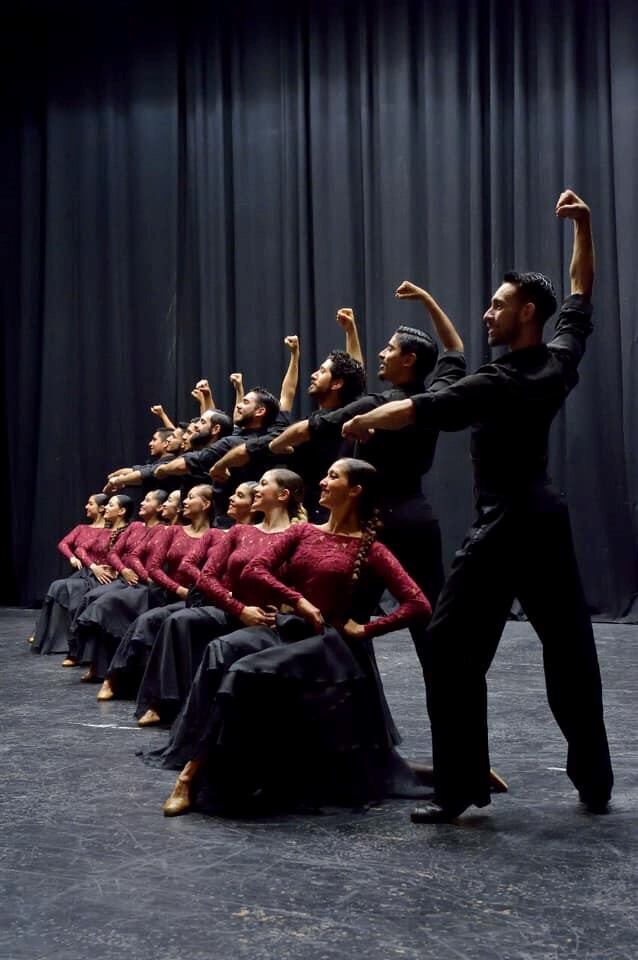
x,y
253,416
410,529
520,543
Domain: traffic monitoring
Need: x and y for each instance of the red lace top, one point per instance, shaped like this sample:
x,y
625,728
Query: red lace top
x,y
196,558
89,544
319,568
138,558
165,561
126,543
220,576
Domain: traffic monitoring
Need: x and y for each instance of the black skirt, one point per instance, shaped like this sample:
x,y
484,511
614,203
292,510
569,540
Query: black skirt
x,y
126,669
282,717
62,599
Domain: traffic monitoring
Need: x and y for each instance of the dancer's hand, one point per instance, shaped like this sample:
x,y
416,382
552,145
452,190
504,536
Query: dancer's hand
x,y
102,573
256,617
237,380
409,291
357,430
353,630
571,207
345,317
219,472
157,409
130,576
292,342
310,613
75,563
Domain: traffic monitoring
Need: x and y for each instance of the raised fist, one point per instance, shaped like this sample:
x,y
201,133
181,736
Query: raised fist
x,y
345,316
292,342
409,291
570,206
236,379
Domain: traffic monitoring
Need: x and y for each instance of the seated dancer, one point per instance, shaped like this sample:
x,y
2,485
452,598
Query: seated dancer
x,y
85,547
520,543
410,529
224,604
295,710
126,669
339,380
156,563
118,511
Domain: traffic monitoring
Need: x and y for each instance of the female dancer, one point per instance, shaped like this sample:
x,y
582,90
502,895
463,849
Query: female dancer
x,y
156,563
297,710
183,638
129,661
85,546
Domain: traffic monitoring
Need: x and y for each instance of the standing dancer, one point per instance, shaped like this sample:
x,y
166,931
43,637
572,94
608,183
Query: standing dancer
x,y
520,544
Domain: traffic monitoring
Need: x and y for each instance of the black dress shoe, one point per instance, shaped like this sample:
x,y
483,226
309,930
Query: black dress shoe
x,y
431,812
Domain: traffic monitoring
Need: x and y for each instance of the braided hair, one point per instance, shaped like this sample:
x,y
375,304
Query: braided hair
x,y
128,505
364,474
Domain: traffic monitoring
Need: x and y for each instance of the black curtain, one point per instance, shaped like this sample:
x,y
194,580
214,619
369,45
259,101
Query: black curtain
x,y
185,184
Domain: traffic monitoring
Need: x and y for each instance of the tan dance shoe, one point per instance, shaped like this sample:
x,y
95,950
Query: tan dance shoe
x,y
105,692
31,638
149,719
180,799
89,676
70,662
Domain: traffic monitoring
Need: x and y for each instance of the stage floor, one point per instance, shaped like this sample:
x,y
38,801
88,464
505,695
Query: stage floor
x,y
91,869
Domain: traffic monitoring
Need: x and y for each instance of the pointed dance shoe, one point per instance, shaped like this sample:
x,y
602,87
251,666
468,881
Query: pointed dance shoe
x,y
497,784
179,801
149,719
105,692
431,812
70,662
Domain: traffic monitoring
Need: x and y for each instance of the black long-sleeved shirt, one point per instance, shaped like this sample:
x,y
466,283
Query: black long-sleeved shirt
x,y
401,457
510,404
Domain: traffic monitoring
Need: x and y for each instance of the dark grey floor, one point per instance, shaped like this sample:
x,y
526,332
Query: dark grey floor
x,y
91,869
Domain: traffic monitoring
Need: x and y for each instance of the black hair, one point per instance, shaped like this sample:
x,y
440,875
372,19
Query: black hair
x,y
268,400
205,491
535,288
126,503
421,344
159,495
163,432
100,498
346,368
292,482
223,420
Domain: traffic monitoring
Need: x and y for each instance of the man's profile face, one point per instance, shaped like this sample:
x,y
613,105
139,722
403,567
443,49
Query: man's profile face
x,y
503,316
321,380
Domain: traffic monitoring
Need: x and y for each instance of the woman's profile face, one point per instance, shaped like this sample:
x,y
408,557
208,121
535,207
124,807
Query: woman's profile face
x,y
170,507
113,509
335,487
240,503
268,493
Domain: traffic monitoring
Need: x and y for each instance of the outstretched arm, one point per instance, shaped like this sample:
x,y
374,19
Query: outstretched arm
x,y
290,438
173,468
446,331
237,381
237,457
581,270
291,379
346,319
159,411
391,416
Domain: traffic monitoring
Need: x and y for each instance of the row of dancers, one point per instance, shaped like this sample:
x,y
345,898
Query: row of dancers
x,y
255,639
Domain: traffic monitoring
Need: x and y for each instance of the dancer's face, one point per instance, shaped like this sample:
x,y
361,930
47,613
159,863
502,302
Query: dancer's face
x,y
336,490
321,380
240,503
268,493
170,507
157,445
92,509
246,409
113,510
393,363
149,507
194,503
505,316
174,441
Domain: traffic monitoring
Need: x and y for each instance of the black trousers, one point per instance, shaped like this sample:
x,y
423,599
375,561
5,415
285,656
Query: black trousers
x,y
526,551
411,532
